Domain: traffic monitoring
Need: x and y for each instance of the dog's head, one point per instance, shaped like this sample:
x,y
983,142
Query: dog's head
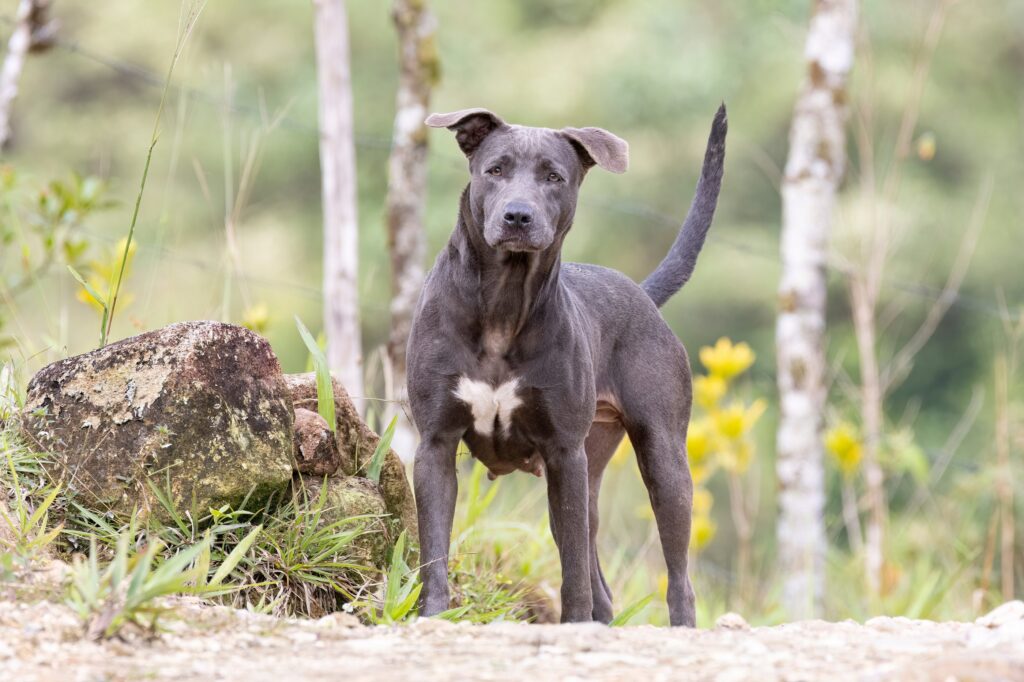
x,y
525,181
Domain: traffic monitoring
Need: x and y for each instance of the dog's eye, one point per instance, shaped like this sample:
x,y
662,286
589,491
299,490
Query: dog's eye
x,y
555,177
496,171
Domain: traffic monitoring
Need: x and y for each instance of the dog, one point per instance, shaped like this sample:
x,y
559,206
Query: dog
x,y
543,366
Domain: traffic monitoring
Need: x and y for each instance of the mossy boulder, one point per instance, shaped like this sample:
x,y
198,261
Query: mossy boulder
x,y
353,497
356,445
199,409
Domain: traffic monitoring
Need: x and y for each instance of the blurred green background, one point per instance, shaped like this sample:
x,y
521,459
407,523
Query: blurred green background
x,y
653,72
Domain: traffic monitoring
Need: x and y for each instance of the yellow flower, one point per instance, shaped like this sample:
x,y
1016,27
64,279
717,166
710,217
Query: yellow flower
x,y
256,318
702,501
698,442
622,452
708,390
726,360
843,442
737,419
736,458
103,274
702,531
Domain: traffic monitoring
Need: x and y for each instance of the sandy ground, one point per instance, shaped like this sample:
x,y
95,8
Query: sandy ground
x,y
43,641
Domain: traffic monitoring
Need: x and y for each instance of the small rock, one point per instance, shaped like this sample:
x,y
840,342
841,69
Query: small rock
x,y
731,621
356,444
1010,612
316,452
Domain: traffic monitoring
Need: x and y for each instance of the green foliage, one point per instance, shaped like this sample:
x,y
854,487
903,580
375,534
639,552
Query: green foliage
x,y
401,590
127,590
381,451
324,383
627,614
28,527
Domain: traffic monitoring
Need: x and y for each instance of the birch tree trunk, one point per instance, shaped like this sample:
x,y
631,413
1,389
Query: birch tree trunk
x,y
29,24
406,199
814,170
338,189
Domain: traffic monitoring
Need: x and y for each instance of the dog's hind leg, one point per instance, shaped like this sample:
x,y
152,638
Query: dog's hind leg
x,y
600,445
661,455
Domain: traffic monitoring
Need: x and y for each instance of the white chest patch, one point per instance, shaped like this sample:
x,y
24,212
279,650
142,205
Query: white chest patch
x,y
487,402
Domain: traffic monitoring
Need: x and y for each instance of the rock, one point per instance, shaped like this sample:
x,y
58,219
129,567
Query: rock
x,y
356,443
732,621
350,497
199,408
1010,612
316,452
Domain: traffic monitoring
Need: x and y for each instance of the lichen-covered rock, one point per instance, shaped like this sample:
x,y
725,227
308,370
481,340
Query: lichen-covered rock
x,y
350,497
199,408
356,443
316,452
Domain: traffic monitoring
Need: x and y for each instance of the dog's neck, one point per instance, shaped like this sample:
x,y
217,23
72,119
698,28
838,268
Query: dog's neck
x,y
507,288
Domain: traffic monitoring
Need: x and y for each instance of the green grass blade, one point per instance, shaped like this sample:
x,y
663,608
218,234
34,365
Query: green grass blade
x,y
631,611
235,557
324,383
377,461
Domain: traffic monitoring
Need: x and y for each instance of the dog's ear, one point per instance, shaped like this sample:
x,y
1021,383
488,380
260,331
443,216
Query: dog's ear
x,y
471,126
599,147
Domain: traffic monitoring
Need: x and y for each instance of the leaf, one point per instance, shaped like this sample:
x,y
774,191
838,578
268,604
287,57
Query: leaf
x,y
631,611
383,446
236,556
324,383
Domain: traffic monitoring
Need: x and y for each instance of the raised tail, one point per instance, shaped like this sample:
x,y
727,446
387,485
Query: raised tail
x,y
675,270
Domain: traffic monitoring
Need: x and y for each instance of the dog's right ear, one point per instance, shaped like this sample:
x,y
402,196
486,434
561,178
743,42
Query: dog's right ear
x,y
471,126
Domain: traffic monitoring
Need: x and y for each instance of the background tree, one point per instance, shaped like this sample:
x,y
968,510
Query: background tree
x,y
813,172
32,31
419,72
338,191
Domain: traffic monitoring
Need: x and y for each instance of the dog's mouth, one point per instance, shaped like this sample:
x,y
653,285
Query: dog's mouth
x,y
516,244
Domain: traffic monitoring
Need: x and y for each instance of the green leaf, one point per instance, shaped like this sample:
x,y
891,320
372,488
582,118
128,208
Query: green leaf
x,y
236,556
631,611
383,446
324,383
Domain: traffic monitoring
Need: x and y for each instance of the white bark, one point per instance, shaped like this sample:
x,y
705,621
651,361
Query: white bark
x,y
814,170
407,189
14,62
338,188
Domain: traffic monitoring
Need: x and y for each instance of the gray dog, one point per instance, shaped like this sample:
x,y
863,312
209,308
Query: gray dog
x,y
543,366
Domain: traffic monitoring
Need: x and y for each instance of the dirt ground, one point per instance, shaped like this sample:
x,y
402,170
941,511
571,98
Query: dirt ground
x,y
43,641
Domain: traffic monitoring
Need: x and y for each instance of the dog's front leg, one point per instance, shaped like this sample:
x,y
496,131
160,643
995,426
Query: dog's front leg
x,y
436,484
567,502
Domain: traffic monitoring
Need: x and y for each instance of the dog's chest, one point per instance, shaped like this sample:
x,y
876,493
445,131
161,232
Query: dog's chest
x,y
492,406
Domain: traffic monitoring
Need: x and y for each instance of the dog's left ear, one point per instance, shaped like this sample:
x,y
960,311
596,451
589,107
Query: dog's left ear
x,y
599,147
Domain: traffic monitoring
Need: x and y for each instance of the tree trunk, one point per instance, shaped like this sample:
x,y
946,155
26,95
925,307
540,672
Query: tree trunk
x,y
407,188
338,188
814,170
31,31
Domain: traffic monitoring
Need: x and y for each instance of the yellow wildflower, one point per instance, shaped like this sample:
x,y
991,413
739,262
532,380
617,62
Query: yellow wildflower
x,y
737,419
256,318
103,274
622,452
843,442
702,501
698,441
702,531
708,390
726,360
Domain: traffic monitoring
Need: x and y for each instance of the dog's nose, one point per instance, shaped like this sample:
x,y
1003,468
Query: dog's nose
x,y
518,214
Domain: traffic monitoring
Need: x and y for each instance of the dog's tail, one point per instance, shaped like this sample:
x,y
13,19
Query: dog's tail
x,y
675,270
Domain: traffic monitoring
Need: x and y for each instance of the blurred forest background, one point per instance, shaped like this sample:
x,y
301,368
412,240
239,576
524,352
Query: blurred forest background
x,y
239,146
